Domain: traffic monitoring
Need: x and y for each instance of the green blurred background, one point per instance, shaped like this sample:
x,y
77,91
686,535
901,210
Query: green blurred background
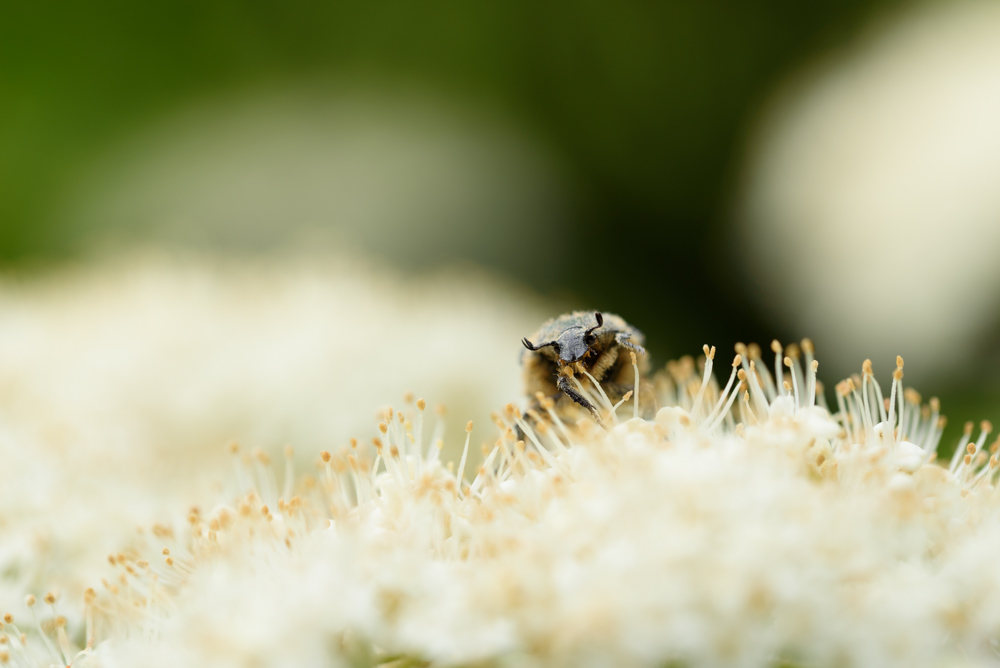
x,y
644,104
641,110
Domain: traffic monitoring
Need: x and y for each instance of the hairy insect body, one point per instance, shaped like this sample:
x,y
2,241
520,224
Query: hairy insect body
x,y
566,348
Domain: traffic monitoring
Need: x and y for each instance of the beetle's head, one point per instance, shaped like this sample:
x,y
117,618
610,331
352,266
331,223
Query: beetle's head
x,y
573,344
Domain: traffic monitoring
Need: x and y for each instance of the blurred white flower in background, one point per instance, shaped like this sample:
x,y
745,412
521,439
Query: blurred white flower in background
x,y
870,211
402,175
122,383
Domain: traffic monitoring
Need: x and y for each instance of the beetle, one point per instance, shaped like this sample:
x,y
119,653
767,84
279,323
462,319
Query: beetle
x,y
572,343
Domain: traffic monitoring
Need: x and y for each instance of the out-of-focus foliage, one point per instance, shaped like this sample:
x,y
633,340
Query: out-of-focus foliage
x,y
643,104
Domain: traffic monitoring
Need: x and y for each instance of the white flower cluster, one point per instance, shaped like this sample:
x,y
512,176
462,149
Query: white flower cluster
x,y
746,525
120,382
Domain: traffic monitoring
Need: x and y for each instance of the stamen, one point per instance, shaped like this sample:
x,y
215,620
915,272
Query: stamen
x,y
542,450
549,407
485,472
770,388
589,396
813,366
861,414
746,407
628,395
29,601
604,397
635,388
706,377
729,404
756,391
418,433
465,455
779,374
725,392
960,448
795,383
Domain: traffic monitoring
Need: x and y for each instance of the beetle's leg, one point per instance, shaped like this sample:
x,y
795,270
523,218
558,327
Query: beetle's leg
x,y
624,339
566,388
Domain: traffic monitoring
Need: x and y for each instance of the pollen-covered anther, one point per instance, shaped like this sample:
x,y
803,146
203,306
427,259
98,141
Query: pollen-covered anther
x,y
421,405
776,347
738,360
383,427
49,598
866,368
325,456
29,601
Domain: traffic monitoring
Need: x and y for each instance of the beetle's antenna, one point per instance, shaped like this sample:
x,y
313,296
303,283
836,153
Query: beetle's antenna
x,y
600,323
530,346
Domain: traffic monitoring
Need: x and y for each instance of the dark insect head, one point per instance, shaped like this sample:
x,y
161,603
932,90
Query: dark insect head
x,y
573,343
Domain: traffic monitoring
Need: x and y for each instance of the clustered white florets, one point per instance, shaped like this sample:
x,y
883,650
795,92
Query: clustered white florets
x,y
744,525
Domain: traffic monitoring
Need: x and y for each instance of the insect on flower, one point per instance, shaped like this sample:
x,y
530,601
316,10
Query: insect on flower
x,y
576,345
